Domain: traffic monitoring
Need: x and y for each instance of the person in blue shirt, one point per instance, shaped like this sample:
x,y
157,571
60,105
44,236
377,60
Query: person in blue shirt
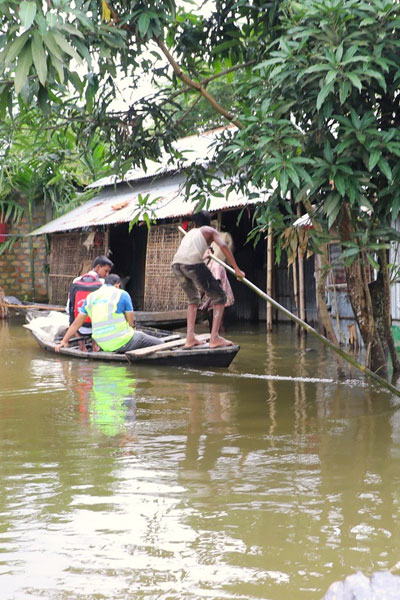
x,y
111,312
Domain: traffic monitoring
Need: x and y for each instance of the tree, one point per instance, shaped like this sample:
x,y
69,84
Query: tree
x,y
66,58
326,123
316,106
41,165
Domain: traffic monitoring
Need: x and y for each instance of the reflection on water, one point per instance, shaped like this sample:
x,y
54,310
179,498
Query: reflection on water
x,y
120,482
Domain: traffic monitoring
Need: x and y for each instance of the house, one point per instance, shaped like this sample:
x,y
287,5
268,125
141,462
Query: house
x,y
23,265
143,256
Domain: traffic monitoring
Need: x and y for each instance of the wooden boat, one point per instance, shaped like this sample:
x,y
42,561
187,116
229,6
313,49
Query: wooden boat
x,y
73,349
168,353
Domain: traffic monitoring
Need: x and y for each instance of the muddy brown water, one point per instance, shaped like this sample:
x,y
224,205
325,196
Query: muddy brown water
x,y
268,480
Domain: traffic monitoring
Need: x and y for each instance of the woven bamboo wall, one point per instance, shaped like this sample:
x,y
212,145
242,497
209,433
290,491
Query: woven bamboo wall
x,y
72,254
162,291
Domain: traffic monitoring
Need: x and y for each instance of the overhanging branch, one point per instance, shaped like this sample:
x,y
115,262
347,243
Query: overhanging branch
x,y
197,86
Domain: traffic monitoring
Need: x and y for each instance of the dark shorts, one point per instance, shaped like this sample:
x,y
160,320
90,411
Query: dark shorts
x,y
198,278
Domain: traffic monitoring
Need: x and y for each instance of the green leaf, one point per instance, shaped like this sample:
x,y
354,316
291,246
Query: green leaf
x,y
76,81
361,137
39,57
52,46
315,69
224,46
15,48
343,145
350,52
372,262
325,91
291,141
66,47
328,152
83,49
293,176
72,30
351,252
283,182
367,21
23,66
84,19
355,80
395,207
355,119
143,24
27,13
4,102
385,168
59,67
340,184
330,76
339,53
333,215
374,159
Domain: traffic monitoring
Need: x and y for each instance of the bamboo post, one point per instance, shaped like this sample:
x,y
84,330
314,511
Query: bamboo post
x,y
296,292
269,277
31,252
309,329
301,286
3,305
300,256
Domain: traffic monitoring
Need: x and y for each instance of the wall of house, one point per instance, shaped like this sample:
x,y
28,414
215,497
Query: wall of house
x,y
72,254
15,264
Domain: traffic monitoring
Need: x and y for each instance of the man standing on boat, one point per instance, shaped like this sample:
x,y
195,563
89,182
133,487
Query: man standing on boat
x,y
111,312
195,277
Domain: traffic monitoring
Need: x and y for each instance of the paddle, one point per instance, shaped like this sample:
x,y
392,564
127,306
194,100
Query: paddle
x,y
307,327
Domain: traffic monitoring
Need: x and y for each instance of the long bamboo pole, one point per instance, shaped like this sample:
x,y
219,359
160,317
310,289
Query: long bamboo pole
x,y
269,277
296,292
308,328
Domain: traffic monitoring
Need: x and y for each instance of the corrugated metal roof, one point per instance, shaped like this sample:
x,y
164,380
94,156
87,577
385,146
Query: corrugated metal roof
x,y
195,148
121,205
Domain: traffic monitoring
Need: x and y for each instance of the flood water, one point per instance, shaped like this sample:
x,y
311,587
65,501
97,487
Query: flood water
x,y
266,480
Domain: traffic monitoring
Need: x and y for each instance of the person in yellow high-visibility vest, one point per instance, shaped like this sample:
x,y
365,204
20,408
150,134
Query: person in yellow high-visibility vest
x,y
111,312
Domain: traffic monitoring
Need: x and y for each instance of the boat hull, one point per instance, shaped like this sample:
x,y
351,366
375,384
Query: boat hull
x,y
198,357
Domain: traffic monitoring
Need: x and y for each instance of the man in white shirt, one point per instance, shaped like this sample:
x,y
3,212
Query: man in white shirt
x,y
195,277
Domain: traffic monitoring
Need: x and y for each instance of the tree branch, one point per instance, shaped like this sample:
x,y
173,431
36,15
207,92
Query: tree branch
x,y
196,85
187,112
199,87
207,80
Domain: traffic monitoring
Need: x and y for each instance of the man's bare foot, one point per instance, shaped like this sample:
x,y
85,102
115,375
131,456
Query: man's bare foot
x,y
219,342
95,346
190,343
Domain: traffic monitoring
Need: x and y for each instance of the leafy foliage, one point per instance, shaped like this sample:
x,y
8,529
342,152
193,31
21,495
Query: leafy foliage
x,y
316,101
43,165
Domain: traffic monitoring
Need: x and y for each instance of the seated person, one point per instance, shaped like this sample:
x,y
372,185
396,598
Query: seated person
x,y
79,290
111,312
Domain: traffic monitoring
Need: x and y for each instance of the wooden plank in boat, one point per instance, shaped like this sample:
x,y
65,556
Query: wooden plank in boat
x,y
140,352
